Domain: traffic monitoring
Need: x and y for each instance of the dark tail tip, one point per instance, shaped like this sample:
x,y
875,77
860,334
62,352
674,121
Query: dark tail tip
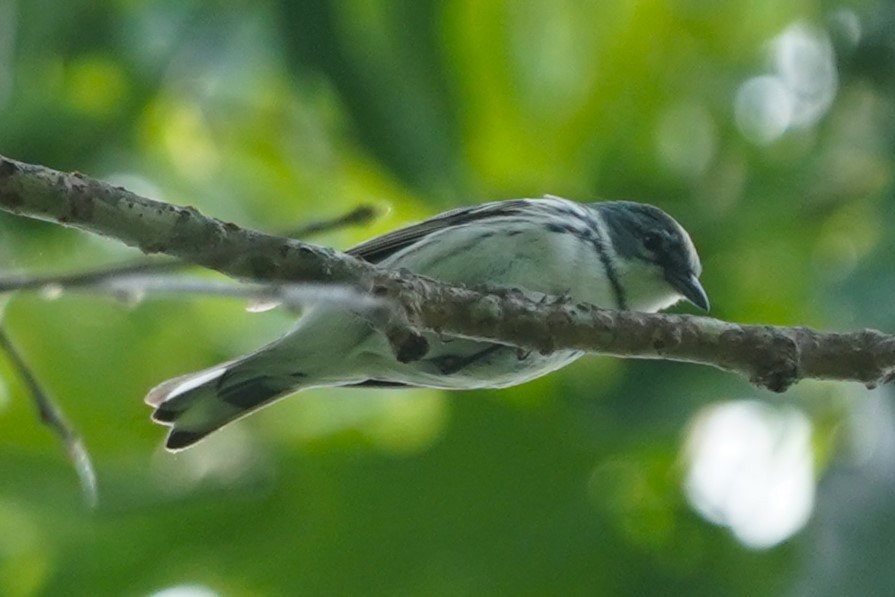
x,y
164,415
180,439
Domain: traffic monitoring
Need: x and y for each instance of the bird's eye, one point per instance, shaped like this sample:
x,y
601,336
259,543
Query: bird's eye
x,y
652,242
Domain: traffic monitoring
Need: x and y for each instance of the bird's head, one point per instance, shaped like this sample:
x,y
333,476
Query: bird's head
x,y
656,260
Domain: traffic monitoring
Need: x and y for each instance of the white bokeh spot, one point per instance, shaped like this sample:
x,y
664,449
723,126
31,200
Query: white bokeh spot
x,y
797,92
751,468
186,591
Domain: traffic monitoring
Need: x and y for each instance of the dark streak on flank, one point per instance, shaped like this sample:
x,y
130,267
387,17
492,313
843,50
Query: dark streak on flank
x,y
621,301
450,364
591,233
379,383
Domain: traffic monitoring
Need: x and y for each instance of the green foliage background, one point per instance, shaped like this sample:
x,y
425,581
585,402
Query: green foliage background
x,y
274,113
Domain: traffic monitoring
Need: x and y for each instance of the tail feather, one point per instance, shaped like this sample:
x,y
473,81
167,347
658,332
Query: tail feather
x,y
197,404
170,397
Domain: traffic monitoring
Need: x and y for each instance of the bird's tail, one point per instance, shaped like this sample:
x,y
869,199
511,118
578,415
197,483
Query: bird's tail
x,y
197,404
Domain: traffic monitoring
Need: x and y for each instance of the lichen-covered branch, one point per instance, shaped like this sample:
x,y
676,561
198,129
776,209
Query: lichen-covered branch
x,y
771,357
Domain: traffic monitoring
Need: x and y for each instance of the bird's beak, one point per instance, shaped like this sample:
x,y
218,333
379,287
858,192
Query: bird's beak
x,y
688,285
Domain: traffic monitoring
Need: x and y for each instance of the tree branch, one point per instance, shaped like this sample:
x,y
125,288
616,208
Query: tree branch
x,y
769,356
51,415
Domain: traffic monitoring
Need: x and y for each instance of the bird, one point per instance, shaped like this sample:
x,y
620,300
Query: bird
x,y
612,254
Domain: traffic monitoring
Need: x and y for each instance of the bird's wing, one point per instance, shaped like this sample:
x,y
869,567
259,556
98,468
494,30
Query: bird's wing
x,y
381,247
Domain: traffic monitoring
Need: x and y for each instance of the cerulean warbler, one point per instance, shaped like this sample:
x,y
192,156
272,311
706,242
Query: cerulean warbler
x,y
616,254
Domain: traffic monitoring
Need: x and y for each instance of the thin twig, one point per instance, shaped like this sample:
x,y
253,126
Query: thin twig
x,y
132,284
51,415
289,295
362,214
88,278
359,216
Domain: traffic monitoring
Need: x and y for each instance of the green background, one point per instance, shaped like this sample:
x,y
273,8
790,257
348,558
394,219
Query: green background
x,y
767,128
